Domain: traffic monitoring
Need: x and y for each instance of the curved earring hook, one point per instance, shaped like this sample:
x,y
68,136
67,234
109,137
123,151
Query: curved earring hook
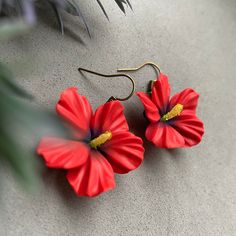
x,y
152,64
110,76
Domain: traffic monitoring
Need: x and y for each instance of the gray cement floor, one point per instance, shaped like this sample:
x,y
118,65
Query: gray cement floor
x,y
180,192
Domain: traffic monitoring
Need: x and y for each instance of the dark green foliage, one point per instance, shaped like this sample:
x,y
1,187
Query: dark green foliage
x,y
25,9
19,119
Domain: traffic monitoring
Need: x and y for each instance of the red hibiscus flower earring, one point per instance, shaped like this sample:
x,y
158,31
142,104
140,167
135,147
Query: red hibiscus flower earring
x,y
101,145
173,122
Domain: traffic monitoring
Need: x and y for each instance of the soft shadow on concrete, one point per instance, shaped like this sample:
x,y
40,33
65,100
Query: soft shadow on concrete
x,y
46,16
57,178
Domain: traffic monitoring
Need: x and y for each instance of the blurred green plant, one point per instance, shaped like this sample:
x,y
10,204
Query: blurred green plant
x,y
25,10
10,107
19,119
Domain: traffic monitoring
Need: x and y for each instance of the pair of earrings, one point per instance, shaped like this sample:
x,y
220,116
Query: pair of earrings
x,y
102,143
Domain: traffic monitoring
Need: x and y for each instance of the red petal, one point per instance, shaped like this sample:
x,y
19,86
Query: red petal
x,y
60,153
124,152
164,136
75,109
188,98
190,127
109,117
151,110
161,93
94,177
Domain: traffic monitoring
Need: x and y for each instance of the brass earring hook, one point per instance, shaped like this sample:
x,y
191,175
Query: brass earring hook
x,y
152,64
112,76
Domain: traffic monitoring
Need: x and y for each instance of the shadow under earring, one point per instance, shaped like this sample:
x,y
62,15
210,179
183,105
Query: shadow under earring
x,y
101,143
173,121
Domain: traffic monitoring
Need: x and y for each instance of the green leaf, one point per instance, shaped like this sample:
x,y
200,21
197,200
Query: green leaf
x,y
9,30
6,79
20,161
15,116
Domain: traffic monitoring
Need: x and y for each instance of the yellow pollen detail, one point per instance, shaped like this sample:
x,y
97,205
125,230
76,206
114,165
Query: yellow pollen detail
x,y
100,140
175,111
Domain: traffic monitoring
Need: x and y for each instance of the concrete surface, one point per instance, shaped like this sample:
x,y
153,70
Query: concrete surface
x,y
180,192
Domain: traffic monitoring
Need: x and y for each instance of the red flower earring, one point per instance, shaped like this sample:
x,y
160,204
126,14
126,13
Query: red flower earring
x,y
101,145
173,122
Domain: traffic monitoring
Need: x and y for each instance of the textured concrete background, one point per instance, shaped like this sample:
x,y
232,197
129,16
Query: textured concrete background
x,y
179,192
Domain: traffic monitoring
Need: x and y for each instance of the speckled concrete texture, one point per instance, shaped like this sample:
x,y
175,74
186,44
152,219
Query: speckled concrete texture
x,y
178,192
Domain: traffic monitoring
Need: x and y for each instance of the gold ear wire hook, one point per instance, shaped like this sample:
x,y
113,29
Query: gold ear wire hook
x,y
152,64
110,76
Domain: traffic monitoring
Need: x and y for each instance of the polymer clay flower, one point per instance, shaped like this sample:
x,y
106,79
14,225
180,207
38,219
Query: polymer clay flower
x,y
173,122
101,146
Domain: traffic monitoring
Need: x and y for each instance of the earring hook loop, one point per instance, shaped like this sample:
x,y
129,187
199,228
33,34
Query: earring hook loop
x,y
80,69
152,64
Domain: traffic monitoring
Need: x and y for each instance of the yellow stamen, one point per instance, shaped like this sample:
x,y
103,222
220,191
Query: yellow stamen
x,y
100,140
175,111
